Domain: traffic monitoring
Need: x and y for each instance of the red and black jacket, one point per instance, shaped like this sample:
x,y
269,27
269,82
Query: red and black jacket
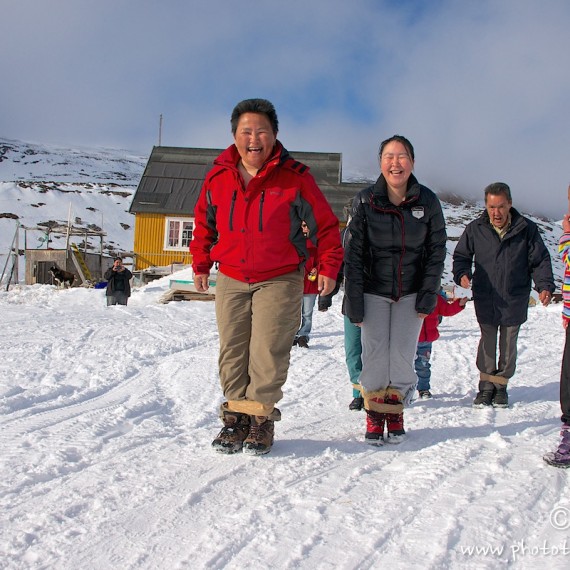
x,y
254,233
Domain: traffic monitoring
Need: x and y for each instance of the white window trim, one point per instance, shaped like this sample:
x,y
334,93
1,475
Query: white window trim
x,y
167,221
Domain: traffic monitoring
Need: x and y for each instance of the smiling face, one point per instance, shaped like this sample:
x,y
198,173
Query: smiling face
x,y
254,139
396,165
498,207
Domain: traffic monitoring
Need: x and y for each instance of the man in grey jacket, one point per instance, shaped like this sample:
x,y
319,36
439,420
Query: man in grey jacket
x,y
508,253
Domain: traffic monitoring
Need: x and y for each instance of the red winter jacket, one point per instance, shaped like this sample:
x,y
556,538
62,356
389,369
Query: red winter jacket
x,y
429,331
254,233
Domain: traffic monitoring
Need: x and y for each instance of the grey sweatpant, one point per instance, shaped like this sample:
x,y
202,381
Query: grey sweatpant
x,y
257,323
390,332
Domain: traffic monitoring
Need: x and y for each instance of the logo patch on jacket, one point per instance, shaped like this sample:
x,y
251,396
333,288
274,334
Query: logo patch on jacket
x,y
418,212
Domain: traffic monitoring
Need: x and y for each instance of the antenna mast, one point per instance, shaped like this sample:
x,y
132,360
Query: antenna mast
x,y
160,131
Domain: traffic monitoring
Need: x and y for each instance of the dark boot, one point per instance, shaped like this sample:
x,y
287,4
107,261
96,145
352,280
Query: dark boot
x,y
485,396
500,398
260,438
561,457
233,434
357,404
303,342
374,428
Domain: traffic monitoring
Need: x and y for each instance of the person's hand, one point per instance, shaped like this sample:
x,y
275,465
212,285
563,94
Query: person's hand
x,y
326,284
463,301
566,223
465,282
201,283
422,316
564,322
545,297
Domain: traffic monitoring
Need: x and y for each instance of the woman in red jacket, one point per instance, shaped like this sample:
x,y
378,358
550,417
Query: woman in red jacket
x,y
430,333
248,221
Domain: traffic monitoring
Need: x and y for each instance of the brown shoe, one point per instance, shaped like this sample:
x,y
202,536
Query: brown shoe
x,y
233,434
260,438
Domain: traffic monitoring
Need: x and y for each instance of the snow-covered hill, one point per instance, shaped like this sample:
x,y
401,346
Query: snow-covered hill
x,y
41,184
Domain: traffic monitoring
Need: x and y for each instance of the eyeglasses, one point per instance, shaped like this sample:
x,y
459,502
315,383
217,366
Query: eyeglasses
x,y
389,157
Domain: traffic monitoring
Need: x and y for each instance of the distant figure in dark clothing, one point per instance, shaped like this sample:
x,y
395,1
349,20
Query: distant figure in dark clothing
x,y
118,279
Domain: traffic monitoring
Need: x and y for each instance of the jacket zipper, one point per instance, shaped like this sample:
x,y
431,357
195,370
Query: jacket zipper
x,y
261,200
398,213
234,197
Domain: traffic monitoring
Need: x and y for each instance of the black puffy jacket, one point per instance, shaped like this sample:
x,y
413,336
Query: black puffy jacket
x,y
503,268
394,251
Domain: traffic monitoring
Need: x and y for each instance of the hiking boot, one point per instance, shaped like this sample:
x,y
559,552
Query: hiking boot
x,y
374,428
561,457
233,434
303,342
500,397
485,396
260,438
425,394
357,404
395,423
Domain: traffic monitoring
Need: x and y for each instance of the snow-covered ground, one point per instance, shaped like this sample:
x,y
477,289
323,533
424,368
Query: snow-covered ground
x,y
106,420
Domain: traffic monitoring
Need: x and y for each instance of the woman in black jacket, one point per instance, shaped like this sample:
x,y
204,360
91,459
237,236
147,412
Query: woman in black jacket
x,y
394,259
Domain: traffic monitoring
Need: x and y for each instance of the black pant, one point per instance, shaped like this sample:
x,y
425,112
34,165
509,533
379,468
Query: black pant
x,y
565,381
117,298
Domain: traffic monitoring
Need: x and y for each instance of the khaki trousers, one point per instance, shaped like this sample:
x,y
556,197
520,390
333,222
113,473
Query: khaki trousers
x,y
257,324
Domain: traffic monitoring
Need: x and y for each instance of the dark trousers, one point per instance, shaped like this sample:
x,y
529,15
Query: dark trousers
x,y
493,370
565,381
117,298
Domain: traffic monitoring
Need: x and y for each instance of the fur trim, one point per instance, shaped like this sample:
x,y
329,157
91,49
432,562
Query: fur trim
x,y
494,379
252,408
375,401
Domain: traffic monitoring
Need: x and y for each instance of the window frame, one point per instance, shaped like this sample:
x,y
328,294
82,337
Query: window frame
x,y
180,220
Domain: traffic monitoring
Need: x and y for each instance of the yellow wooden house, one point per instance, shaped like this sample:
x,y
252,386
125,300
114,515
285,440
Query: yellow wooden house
x,y
164,201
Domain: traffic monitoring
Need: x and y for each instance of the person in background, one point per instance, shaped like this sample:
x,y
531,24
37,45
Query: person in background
x,y
429,333
508,254
248,221
352,344
561,457
394,259
118,279
310,292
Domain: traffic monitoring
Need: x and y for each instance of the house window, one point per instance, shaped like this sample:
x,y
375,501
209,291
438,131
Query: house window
x,y
178,234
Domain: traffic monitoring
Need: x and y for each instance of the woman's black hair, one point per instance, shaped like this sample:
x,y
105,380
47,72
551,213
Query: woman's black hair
x,y
400,139
261,106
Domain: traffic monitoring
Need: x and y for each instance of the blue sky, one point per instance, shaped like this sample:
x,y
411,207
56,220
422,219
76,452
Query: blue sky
x,y
481,87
